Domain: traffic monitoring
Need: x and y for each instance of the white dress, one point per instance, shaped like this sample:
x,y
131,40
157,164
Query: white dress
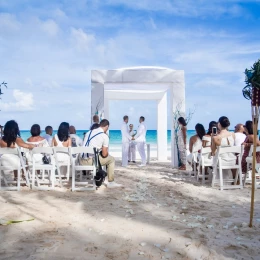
x,y
9,159
196,147
62,157
181,146
227,159
38,157
208,158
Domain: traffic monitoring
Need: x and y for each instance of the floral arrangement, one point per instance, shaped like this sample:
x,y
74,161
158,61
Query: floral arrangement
x,y
252,89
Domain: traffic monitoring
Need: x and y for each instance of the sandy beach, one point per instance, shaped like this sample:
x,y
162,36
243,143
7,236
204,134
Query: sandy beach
x,y
161,213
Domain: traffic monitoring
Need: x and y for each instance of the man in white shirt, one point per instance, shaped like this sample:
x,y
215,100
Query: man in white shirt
x,y
140,139
48,135
126,138
239,134
75,139
99,139
132,149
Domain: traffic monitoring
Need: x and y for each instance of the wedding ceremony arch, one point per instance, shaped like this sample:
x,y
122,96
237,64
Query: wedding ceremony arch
x,y
142,83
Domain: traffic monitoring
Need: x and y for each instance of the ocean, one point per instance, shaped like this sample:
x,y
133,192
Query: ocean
x,y
115,137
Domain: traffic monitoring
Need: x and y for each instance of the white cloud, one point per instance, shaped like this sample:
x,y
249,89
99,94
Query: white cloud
x,y
82,40
29,82
23,102
50,27
8,23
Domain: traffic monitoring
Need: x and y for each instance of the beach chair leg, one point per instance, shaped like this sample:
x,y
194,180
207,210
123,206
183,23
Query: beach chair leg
x,y
203,174
18,179
221,178
73,180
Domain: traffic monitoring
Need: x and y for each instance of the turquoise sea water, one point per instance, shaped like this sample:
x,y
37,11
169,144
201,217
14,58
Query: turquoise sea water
x,y
115,135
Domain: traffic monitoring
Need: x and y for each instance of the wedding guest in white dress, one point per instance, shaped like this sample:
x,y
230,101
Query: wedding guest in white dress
x,y
206,142
126,138
140,139
12,139
224,139
62,139
182,137
132,146
36,140
195,143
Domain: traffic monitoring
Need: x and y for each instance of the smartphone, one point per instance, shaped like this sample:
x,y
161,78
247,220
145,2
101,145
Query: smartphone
x,y
214,130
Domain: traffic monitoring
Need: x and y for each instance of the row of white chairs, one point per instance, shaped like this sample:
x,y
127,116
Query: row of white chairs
x,y
217,171
42,176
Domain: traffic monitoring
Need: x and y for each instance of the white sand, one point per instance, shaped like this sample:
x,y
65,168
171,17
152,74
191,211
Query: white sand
x,y
174,217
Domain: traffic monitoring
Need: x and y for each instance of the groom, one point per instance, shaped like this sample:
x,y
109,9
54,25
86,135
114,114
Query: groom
x,y
126,138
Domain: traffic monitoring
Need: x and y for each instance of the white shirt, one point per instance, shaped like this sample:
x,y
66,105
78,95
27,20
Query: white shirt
x,y
75,140
141,133
126,137
239,138
48,138
98,141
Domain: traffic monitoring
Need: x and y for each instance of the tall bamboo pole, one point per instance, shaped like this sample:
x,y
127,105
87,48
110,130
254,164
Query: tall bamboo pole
x,y
255,116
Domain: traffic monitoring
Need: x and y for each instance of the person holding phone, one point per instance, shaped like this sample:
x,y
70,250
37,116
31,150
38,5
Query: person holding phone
x,y
206,140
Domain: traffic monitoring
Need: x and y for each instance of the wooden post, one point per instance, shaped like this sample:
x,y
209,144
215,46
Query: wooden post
x,y
255,116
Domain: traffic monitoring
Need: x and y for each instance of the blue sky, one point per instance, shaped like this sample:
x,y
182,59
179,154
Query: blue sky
x,y
48,49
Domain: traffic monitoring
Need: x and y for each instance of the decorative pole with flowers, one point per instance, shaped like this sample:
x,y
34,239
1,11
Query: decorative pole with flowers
x,y
252,92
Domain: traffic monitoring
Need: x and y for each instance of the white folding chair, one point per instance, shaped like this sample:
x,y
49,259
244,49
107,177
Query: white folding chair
x,y
88,184
64,151
10,168
205,151
194,159
249,158
219,167
43,174
248,175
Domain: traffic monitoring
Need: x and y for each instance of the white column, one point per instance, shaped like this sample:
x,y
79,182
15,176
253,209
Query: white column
x,y
106,107
162,128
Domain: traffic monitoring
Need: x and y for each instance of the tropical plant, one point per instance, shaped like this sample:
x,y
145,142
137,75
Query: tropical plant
x,y
252,80
4,84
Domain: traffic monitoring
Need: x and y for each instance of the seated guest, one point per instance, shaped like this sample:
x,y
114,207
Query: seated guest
x,y
75,139
94,126
239,134
195,143
224,139
247,145
12,139
37,140
48,135
95,120
62,139
98,138
206,140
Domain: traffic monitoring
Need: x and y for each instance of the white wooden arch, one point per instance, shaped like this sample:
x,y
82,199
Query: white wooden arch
x,y
141,83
